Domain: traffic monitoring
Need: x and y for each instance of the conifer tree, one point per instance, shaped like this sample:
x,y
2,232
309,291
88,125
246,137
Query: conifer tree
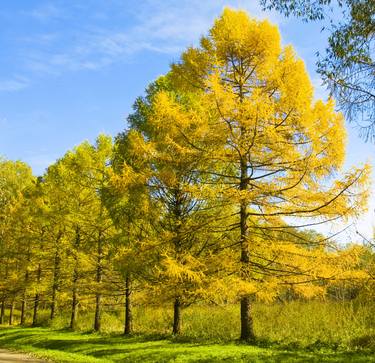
x,y
56,214
128,202
169,171
279,151
79,178
15,178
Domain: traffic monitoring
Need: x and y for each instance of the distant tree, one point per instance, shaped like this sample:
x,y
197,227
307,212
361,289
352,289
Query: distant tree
x,y
133,213
15,178
347,67
58,231
78,179
92,167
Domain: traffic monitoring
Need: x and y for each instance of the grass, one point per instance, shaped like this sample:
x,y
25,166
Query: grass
x,y
294,332
333,325
63,346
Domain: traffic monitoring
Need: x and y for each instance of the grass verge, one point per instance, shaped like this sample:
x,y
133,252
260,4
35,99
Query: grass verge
x,y
65,346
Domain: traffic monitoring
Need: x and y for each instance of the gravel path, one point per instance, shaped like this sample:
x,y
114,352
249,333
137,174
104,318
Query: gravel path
x,y
7,356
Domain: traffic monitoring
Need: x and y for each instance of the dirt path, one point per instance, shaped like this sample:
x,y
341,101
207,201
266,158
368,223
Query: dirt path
x,y
7,356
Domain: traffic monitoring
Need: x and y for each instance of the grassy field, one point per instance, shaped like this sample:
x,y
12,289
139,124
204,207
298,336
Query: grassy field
x,y
62,346
294,332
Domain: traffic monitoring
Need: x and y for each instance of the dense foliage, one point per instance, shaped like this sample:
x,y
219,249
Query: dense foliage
x,y
347,67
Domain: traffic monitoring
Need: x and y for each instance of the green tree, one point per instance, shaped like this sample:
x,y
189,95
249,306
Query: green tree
x,y
347,67
169,168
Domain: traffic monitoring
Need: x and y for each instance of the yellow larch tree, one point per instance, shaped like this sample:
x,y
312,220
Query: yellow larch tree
x,y
79,178
15,178
278,150
182,241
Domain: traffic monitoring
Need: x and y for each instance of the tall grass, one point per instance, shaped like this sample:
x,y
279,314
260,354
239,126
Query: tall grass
x,y
295,324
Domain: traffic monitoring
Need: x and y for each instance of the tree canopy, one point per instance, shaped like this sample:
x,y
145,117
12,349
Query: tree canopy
x,y
347,67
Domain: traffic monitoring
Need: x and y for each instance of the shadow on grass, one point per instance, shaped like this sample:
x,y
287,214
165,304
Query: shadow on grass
x,y
156,348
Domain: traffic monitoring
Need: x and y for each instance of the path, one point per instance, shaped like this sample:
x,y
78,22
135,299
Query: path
x,y
7,356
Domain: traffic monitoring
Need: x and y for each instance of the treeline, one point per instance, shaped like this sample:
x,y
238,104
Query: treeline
x,y
204,197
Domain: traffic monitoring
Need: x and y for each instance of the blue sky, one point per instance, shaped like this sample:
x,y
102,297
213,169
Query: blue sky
x,y
70,70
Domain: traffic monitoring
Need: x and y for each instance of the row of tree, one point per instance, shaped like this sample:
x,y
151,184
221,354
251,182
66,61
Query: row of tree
x,y
202,198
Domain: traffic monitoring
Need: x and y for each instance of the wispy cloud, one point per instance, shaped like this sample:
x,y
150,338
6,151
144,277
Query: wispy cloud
x,y
167,27
13,84
46,12
156,26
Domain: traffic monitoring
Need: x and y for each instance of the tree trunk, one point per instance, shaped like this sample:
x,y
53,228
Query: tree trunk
x,y
36,309
247,330
37,298
128,329
11,310
2,312
23,310
177,210
98,312
73,318
56,283
177,316
53,305
99,275
24,300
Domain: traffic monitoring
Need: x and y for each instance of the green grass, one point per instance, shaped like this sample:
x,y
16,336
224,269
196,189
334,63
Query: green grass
x,y
299,324
298,331
63,346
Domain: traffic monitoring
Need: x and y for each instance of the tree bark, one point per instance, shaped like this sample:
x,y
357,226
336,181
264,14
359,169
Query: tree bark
x,y
56,278
177,211
23,310
98,312
11,310
37,298
73,318
24,300
128,329
99,276
2,312
36,309
247,330
177,316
